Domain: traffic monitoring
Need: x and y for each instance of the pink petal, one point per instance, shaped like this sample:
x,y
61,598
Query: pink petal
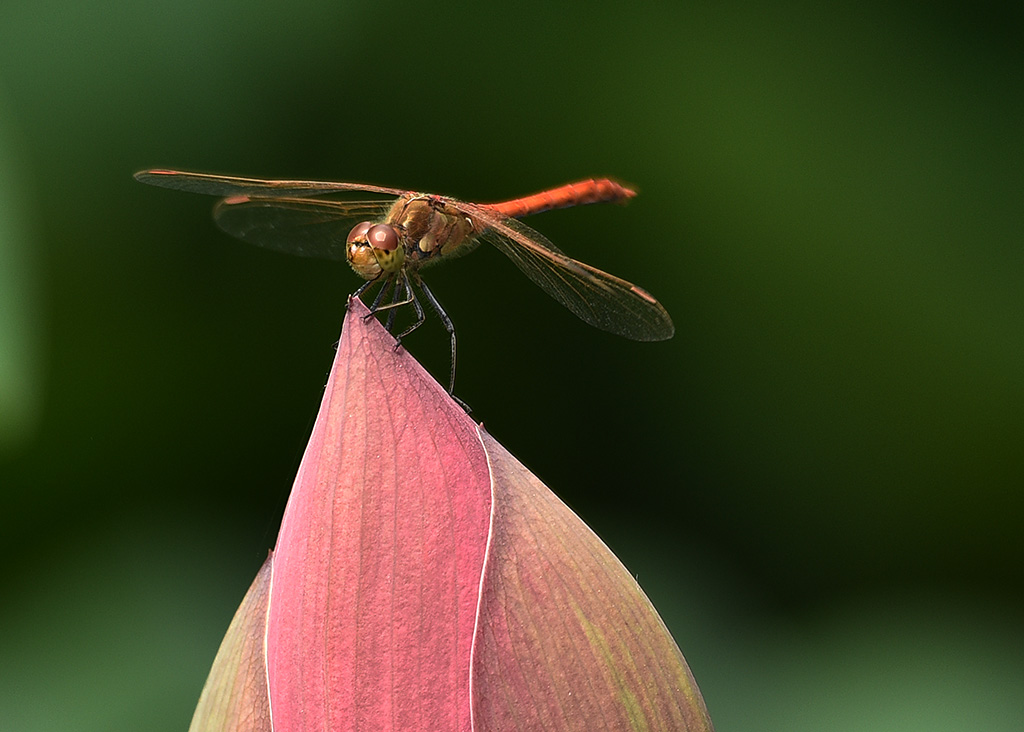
x,y
234,698
378,562
396,600
567,639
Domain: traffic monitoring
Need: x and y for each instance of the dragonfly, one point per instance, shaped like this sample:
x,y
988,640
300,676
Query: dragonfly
x,y
390,240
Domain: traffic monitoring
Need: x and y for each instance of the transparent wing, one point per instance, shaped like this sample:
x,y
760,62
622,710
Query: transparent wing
x,y
225,185
603,300
308,228
274,214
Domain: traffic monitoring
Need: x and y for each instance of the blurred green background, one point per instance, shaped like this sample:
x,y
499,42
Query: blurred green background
x,y
819,480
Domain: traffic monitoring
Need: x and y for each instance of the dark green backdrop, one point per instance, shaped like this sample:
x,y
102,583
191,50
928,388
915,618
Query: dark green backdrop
x,y
819,480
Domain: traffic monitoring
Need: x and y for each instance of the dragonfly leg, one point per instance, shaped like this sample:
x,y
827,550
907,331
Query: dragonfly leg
x,y
363,287
393,310
448,326
410,297
375,306
420,315
380,296
396,302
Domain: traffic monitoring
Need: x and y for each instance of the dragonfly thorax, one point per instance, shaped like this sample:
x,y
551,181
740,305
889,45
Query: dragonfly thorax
x,y
430,227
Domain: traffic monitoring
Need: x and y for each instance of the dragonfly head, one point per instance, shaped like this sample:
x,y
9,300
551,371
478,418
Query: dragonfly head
x,y
374,248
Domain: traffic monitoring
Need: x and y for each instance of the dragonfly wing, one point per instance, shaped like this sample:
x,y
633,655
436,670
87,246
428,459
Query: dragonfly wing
x,y
225,185
596,297
308,228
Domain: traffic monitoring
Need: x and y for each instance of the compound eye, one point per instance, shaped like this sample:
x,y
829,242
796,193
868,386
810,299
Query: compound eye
x,y
358,232
383,237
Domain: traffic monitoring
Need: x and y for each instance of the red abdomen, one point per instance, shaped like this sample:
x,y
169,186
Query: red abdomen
x,y
573,194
